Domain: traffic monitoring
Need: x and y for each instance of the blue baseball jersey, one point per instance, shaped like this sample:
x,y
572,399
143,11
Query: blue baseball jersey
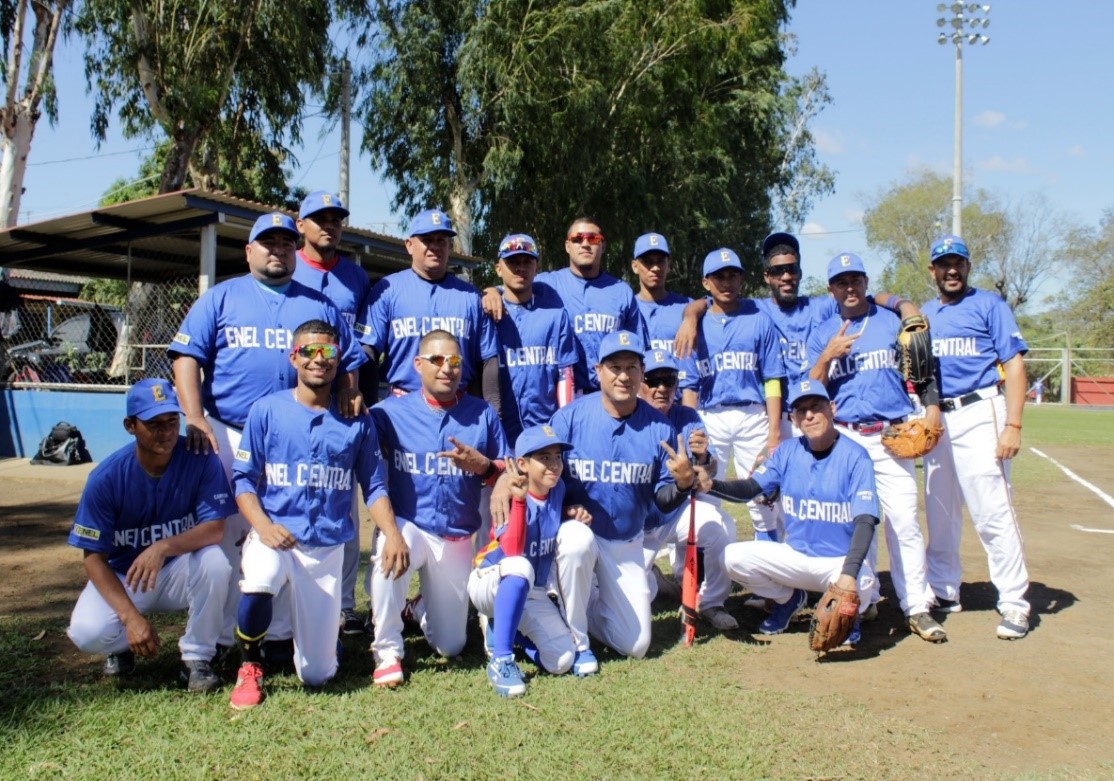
x,y
663,321
733,356
866,384
543,520
304,464
345,284
794,324
597,307
123,510
403,307
241,332
615,466
684,421
970,338
821,497
426,490
536,341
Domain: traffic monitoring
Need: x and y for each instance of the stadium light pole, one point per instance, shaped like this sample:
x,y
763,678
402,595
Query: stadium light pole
x,y
972,16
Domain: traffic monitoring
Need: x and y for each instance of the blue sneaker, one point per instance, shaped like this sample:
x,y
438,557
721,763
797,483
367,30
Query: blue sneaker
x,y
585,664
782,614
506,677
855,635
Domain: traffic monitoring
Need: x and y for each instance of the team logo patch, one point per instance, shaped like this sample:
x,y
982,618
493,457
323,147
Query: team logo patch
x,y
659,356
158,392
326,200
653,240
182,338
436,218
221,497
760,470
276,219
548,431
725,256
624,338
866,496
845,260
86,532
243,455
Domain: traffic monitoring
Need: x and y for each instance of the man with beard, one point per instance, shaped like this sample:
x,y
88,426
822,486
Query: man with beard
x,y
977,343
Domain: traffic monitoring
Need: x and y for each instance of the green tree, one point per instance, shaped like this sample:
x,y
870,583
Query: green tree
x,y
1013,247
666,115
223,83
1086,309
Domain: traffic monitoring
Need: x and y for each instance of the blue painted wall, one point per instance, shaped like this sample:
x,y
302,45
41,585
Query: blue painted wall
x,y
28,415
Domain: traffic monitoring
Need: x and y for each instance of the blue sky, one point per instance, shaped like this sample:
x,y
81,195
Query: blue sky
x,y
1037,118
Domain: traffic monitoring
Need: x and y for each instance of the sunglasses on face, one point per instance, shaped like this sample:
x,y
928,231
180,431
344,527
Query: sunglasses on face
x,y
785,268
518,245
591,238
669,381
439,361
327,351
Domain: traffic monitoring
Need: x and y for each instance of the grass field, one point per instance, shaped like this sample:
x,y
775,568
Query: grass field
x,y
700,713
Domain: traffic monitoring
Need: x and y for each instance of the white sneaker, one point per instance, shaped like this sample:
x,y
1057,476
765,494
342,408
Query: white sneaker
x,y
1014,625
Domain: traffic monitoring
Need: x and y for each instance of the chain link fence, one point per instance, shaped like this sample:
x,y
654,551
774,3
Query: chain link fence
x,y
108,333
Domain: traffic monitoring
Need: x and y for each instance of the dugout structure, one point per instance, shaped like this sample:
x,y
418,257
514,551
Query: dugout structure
x,y
98,295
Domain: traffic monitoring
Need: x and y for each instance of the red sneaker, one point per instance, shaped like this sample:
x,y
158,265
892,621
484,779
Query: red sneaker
x,y
248,691
388,673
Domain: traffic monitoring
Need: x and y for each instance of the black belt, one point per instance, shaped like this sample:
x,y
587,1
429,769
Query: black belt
x,y
951,405
870,426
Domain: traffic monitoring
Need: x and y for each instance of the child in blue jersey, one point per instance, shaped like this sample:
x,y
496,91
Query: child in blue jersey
x,y
734,377
440,446
831,509
149,522
509,582
295,472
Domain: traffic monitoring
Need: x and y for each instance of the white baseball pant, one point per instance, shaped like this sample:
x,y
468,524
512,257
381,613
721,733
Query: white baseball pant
x,y
196,581
313,577
897,493
711,534
773,570
236,528
743,432
970,438
616,606
542,621
443,567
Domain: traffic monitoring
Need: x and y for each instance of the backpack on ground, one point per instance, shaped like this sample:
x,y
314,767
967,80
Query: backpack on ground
x,y
63,446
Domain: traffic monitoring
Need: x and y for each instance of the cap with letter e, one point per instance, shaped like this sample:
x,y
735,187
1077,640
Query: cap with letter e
x,y
150,398
949,245
276,221
535,438
650,242
845,263
430,221
802,389
719,259
620,342
319,201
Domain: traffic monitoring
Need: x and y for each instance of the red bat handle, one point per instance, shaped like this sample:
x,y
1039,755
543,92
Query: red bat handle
x,y
690,581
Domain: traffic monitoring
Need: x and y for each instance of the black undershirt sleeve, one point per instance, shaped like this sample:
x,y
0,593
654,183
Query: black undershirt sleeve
x,y
860,544
736,490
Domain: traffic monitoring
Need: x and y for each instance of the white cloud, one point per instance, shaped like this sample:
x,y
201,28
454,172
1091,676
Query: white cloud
x,y
1018,165
998,119
827,143
854,216
1077,151
990,118
811,228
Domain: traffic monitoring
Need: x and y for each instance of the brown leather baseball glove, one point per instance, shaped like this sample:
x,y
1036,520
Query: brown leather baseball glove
x,y
911,439
833,619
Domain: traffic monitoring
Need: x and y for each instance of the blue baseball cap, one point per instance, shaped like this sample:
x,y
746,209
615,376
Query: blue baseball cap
x,y
430,221
650,242
535,438
805,388
949,245
774,239
518,244
276,221
319,201
620,342
150,398
719,259
659,359
845,263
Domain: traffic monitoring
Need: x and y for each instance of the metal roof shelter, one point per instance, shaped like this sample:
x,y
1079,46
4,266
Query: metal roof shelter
x,y
187,230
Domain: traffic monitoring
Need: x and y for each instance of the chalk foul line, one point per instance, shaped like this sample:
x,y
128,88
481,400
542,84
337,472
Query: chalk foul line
x,y
1089,486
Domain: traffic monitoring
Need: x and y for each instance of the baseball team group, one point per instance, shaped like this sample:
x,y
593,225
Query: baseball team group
x,y
539,446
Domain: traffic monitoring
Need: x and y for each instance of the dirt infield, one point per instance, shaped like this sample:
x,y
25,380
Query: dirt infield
x,y
1037,705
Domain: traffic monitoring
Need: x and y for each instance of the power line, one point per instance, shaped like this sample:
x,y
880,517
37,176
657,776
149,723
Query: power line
x,y
91,157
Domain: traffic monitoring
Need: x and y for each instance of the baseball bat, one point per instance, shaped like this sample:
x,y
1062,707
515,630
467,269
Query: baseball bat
x,y
690,582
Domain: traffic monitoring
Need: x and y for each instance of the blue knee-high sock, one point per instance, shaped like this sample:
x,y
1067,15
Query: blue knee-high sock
x,y
510,601
252,619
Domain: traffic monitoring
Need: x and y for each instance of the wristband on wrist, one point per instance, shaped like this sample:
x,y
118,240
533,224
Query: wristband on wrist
x,y
1014,425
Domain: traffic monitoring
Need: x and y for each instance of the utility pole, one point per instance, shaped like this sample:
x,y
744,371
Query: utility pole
x,y
345,122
